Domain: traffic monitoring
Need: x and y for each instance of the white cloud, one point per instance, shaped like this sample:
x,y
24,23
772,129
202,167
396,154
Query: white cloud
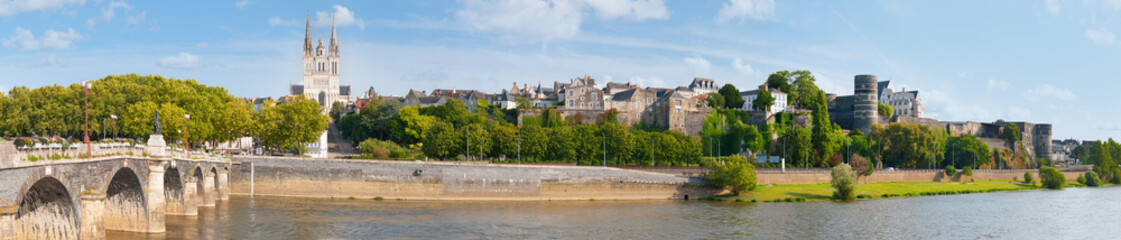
x,y
698,64
13,7
743,9
241,4
962,74
342,17
137,19
651,81
183,60
23,40
1015,112
742,67
52,61
637,10
1048,91
108,13
997,85
1100,36
550,19
1054,7
277,21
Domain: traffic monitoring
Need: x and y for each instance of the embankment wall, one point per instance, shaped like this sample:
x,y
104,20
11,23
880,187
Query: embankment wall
x,y
452,181
798,176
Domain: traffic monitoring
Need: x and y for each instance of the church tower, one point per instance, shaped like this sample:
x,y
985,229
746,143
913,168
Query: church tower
x,y
321,80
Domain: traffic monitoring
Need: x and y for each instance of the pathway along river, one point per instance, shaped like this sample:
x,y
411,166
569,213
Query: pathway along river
x,y
1066,214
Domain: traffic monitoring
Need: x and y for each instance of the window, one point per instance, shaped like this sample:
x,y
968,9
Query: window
x,y
649,101
594,95
677,103
581,98
572,103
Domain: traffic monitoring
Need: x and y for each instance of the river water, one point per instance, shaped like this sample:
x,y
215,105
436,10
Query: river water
x,y
1066,214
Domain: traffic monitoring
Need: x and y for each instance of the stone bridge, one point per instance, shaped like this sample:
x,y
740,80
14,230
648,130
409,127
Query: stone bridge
x,y
83,198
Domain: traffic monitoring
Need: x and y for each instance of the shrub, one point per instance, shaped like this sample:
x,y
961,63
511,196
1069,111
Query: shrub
x,y
1027,177
382,149
844,183
1051,178
736,174
1092,179
1081,179
1116,179
967,171
950,171
378,198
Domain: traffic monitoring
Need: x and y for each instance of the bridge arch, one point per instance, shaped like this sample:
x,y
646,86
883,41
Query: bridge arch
x,y
202,192
216,182
173,187
47,211
126,207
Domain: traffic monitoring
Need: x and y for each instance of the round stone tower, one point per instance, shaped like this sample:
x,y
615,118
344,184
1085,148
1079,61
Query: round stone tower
x,y
865,111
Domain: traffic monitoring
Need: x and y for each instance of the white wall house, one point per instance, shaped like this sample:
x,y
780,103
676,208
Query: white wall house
x,y
780,100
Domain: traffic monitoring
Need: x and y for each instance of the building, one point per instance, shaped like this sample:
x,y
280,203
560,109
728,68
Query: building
x,y
778,106
703,86
583,94
321,81
321,72
903,103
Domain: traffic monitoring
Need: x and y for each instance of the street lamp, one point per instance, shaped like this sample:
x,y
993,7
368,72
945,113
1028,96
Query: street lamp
x,y
467,131
86,86
604,148
114,117
188,136
519,149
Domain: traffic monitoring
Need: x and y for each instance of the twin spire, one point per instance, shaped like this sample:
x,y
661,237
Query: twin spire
x,y
333,50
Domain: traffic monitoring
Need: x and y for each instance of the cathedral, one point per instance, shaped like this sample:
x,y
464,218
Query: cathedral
x,y
321,81
321,72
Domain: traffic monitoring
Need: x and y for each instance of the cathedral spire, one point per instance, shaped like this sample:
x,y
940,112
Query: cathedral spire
x,y
334,42
307,38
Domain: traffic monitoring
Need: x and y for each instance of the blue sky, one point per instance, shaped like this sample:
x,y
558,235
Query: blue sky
x,y
1038,61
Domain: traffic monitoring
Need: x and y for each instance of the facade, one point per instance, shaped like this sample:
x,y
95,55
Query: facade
x,y
703,86
778,106
865,103
903,103
321,81
583,94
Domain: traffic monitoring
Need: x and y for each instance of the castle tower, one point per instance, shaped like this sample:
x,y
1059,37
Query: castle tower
x,y
866,103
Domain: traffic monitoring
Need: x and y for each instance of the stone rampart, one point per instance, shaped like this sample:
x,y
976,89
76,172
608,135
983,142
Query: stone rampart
x,y
451,181
799,176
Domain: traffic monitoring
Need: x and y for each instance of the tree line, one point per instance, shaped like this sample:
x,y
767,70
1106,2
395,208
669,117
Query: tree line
x,y
215,115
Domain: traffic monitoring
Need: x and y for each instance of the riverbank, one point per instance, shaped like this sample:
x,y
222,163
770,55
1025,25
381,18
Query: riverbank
x,y
824,191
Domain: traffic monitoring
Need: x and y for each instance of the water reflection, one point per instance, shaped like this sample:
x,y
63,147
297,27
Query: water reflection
x,y
1071,213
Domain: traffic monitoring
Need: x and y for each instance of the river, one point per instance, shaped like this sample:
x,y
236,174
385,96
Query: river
x,y
1083,213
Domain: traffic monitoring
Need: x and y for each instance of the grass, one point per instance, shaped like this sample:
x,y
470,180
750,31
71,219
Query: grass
x,y
378,198
824,192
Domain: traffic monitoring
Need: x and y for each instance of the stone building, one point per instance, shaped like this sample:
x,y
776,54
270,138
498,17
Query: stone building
x,y
321,72
778,106
702,86
583,94
903,103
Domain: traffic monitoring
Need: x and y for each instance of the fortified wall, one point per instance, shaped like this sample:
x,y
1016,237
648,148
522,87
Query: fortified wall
x,y
452,181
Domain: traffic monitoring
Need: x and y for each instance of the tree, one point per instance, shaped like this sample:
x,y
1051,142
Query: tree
x,y
620,143
336,109
1027,178
415,125
715,100
505,143
523,103
885,110
950,171
763,100
562,143
480,140
303,122
442,142
535,143
732,98
1051,178
1011,132
735,174
1092,179
797,145
844,183
965,149
236,120
782,80
588,140
904,145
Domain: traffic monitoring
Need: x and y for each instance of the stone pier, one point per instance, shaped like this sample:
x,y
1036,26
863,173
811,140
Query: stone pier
x,y
93,221
223,185
156,196
190,197
210,196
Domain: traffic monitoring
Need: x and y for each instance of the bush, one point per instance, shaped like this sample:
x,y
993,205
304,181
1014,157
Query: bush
x,y
1027,178
950,171
1081,179
382,149
736,174
1116,179
1052,178
1092,179
967,171
844,183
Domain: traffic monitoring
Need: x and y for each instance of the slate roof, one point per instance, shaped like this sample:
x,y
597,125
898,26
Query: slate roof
x,y
295,89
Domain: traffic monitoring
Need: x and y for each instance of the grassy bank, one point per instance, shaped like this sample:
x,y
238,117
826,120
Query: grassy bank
x,y
823,191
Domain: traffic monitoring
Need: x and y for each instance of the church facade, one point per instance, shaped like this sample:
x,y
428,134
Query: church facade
x,y
321,72
321,81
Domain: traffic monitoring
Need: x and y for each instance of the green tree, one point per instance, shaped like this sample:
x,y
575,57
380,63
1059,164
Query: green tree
x,y
480,140
950,171
1011,132
1051,178
732,99
797,146
535,143
415,125
1027,177
303,122
562,143
1092,179
735,174
844,183
906,144
715,100
620,143
588,140
505,142
442,141
763,100
965,149
885,110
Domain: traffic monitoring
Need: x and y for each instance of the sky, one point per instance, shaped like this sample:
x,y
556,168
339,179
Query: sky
x,y
1038,61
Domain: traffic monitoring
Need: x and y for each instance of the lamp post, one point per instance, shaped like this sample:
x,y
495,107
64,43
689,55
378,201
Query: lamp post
x,y
114,118
467,132
187,124
519,149
604,148
86,90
